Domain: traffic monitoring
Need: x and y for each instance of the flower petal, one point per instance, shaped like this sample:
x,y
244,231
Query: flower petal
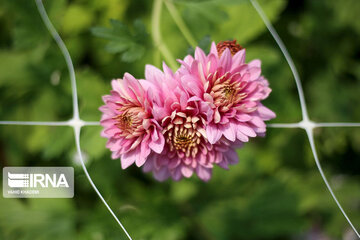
x,y
213,134
129,158
229,131
265,113
231,156
187,171
158,145
238,59
225,60
203,173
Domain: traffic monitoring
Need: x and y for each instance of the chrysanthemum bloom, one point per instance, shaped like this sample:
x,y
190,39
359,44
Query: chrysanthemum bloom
x,y
232,88
183,119
128,123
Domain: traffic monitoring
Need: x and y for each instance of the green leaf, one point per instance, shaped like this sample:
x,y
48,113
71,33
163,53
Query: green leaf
x,y
203,17
117,46
131,42
103,33
209,11
230,19
134,53
244,24
139,30
119,28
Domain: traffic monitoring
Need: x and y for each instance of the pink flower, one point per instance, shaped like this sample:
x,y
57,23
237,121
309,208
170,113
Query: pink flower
x,y
128,123
233,89
178,124
183,118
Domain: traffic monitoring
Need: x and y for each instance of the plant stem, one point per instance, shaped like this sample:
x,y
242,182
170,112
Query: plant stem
x,y
156,35
180,23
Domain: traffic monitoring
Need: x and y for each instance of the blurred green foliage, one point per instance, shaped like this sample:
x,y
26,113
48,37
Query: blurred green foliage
x,y
132,44
275,192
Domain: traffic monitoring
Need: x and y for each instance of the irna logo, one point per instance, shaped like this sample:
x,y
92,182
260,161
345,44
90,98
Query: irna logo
x,y
19,180
38,182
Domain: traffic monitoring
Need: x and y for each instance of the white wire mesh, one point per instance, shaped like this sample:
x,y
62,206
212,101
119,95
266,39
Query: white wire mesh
x,y
76,123
306,123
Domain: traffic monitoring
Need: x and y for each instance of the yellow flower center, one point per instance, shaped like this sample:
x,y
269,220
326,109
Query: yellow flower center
x,y
183,135
129,121
226,92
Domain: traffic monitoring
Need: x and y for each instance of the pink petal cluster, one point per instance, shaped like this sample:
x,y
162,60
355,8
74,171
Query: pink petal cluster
x,y
178,124
232,88
128,123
